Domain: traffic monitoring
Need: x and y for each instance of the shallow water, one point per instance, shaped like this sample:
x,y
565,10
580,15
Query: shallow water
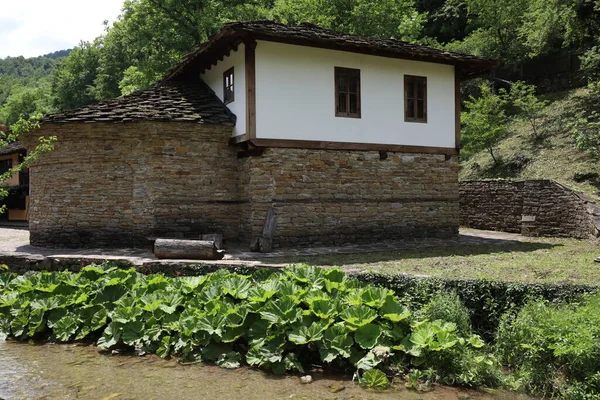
x,y
79,372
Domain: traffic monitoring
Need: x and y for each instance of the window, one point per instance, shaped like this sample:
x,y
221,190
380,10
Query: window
x,y
5,165
347,92
415,98
228,92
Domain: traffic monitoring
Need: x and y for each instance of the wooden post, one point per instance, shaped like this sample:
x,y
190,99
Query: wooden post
x,y
264,243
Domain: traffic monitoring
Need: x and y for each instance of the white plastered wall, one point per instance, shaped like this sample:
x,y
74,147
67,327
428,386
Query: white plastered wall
x,y
295,98
214,78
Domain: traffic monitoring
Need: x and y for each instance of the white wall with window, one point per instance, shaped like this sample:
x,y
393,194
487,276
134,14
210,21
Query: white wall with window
x,y
228,77
297,97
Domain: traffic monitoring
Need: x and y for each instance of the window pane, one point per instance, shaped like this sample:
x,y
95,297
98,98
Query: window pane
x,y
420,109
342,85
421,90
353,103
354,85
342,103
410,89
410,108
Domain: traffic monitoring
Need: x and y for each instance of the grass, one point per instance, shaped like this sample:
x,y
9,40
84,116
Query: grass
x,y
552,155
527,260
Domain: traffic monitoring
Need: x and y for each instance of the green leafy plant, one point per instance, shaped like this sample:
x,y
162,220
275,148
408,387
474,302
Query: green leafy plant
x,y
522,96
554,349
485,122
280,321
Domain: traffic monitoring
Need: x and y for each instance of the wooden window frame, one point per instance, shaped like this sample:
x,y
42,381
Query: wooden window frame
x,y
416,80
350,73
226,87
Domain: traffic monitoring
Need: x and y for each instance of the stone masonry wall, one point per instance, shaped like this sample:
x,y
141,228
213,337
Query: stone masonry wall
x,y
335,197
533,208
123,184
119,184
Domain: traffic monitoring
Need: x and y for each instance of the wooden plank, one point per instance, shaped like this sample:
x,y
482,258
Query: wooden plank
x,y
250,58
457,109
315,144
186,249
264,243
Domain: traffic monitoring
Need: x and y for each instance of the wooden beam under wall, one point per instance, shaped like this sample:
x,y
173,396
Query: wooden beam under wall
x,y
322,145
250,58
457,109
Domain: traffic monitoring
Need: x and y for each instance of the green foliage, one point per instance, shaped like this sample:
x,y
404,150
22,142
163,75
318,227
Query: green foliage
x,y
522,97
554,350
384,18
587,125
280,322
374,379
590,63
485,122
447,307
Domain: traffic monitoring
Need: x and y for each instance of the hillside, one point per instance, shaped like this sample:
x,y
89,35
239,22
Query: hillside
x,y
553,155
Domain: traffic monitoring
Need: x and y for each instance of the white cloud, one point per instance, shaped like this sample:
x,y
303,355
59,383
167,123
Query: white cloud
x,y
34,27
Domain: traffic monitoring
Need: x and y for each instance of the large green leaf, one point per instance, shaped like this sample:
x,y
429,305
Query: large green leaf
x,y
393,310
282,311
236,286
366,336
66,327
375,296
306,334
374,379
358,315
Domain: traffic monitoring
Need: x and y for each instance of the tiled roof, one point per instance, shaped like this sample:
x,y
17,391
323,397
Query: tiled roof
x,y
188,101
14,147
311,35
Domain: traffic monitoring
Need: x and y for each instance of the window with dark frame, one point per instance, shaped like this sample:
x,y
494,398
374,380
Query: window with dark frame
x,y
228,88
5,165
415,98
347,92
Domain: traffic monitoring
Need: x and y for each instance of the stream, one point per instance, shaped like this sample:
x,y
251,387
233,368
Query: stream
x,y
52,371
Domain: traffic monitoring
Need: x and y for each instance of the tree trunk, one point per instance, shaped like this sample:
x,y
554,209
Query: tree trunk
x,y
186,249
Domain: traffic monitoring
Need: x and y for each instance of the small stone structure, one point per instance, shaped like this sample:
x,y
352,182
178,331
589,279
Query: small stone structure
x,y
532,207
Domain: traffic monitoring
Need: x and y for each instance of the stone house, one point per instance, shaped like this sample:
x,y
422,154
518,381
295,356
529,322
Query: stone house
x,y
347,138
17,200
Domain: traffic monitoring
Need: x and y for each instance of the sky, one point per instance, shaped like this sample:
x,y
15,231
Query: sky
x,y
31,28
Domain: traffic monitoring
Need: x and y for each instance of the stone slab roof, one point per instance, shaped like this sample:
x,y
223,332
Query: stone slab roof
x,y
185,101
14,147
306,34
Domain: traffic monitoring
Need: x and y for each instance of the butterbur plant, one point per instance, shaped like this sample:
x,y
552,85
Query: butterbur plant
x,y
279,321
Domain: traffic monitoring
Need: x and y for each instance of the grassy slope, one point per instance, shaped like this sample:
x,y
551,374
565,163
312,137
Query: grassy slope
x,y
551,156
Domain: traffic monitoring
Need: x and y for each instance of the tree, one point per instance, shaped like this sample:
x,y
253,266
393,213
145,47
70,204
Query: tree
x,y
485,122
73,80
375,18
523,97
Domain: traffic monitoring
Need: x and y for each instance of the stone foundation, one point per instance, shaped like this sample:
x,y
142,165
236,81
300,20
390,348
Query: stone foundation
x,y
335,197
123,184
533,208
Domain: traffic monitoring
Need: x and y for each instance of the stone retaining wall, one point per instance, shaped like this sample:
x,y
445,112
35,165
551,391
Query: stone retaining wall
x,y
533,208
123,184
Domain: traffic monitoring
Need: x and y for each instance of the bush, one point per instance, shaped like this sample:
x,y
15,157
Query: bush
x,y
447,307
554,350
487,301
279,321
